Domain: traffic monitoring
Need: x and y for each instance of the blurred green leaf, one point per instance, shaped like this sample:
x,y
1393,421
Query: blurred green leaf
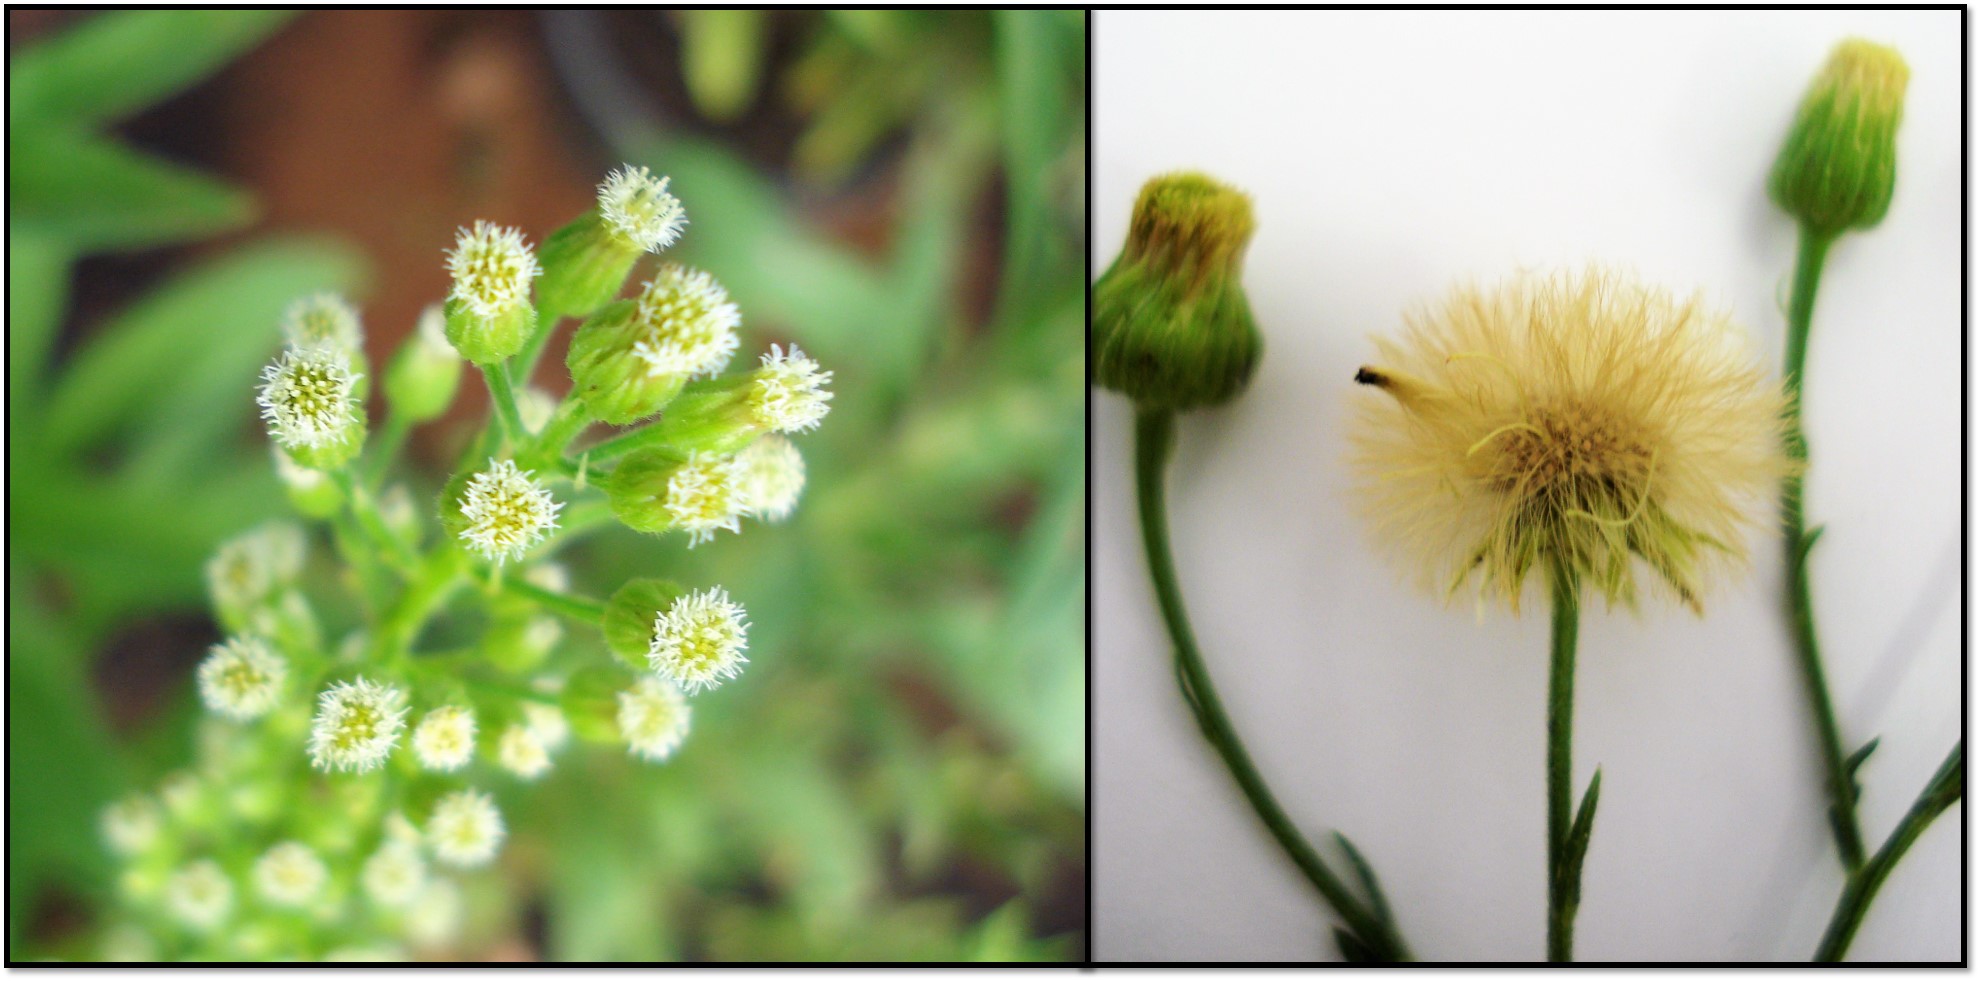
x,y
98,196
37,292
116,63
721,57
193,344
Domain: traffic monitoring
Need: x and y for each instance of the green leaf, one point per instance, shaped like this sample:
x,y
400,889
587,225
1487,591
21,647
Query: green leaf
x,y
114,64
1035,107
186,352
721,57
1353,950
1378,903
37,292
1856,759
97,195
1576,846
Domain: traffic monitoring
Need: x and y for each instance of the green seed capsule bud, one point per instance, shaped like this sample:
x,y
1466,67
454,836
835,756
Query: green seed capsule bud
x,y
427,371
1171,326
311,492
489,316
1839,165
629,618
488,340
662,490
616,385
585,265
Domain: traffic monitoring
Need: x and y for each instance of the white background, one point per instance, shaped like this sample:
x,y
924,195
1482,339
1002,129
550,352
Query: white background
x,y
1389,155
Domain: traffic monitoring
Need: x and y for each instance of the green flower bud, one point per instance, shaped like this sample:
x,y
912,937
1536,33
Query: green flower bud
x,y
585,265
628,625
1839,165
336,452
615,384
489,316
427,371
662,490
1171,326
785,394
311,492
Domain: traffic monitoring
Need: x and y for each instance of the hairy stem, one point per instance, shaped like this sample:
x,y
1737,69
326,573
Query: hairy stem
x,y
1944,790
1560,761
504,397
1154,439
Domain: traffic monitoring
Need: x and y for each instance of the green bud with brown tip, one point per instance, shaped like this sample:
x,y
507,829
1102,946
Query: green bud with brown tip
x,y
1171,326
1839,166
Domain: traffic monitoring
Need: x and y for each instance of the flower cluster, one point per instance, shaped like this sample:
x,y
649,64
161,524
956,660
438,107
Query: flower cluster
x,y
336,773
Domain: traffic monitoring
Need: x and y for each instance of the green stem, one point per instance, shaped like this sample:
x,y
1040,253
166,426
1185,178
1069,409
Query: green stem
x,y
1560,761
397,554
569,420
1813,249
621,445
525,360
504,397
391,438
580,608
1154,439
438,577
1945,789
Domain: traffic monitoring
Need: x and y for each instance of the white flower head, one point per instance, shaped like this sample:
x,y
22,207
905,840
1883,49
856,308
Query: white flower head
x,y
444,739
200,895
773,476
788,394
506,511
689,322
492,268
394,874
357,724
548,722
698,642
521,752
131,825
436,914
324,320
636,206
466,829
182,793
250,566
653,716
705,495
289,874
306,397
242,679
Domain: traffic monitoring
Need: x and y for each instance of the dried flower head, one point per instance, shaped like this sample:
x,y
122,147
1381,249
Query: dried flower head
x,y
1580,419
772,476
698,642
506,512
653,716
521,752
323,320
689,324
636,206
492,268
394,874
444,740
200,895
789,393
466,829
289,874
306,398
357,724
242,679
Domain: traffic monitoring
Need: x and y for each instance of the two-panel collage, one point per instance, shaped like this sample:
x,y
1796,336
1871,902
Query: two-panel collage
x,y
1089,489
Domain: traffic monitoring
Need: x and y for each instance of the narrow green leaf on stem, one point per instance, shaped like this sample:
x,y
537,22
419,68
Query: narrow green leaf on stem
x,y
1946,788
1366,873
1577,841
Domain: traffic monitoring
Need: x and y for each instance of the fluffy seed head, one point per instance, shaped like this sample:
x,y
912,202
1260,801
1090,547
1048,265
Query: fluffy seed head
x,y
688,322
394,874
289,874
788,394
306,397
1581,419
323,320
466,829
242,679
200,895
444,740
521,752
772,476
492,268
705,495
636,206
506,511
653,716
132,824
698,642
357,724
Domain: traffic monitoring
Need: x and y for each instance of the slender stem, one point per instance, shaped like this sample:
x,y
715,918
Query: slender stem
x,y
1813,249
1154,438
1945,789
1560,760
525,360
438,577
621,445
569,420
579,608
504,397
391,437
397,554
